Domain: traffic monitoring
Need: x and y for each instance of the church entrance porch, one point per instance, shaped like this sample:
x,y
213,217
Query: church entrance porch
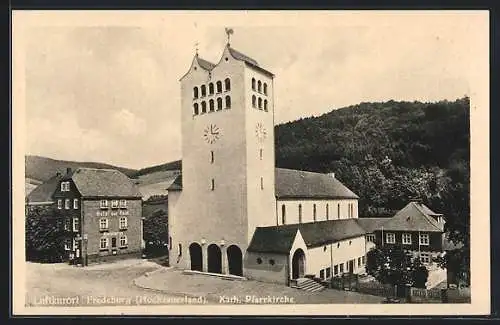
x,y
235,260
298,264
214,259
196,256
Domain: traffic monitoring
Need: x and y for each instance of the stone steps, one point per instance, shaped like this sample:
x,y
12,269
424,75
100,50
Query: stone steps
x,y
308,285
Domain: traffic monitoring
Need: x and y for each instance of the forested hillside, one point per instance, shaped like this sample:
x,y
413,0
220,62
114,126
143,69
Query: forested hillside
x,y
388,153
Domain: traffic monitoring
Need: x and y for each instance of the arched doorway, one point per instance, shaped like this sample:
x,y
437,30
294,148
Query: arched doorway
x,y
214,259
196,257
298,264
235,259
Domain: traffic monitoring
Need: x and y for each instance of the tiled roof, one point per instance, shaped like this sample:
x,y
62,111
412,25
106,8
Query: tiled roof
x,y
44,191
302,184
371,224
177,184
279,239
205,64
413,218
299,184
104,183
242,57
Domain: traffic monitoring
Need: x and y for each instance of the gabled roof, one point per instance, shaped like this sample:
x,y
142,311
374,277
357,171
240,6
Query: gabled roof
x,y
207,65
413,218
177,184
93,182
297,184
302,184
43,192
279,239
371,224
242,57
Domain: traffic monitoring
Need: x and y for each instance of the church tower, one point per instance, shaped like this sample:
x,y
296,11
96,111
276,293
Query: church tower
x,y
228,166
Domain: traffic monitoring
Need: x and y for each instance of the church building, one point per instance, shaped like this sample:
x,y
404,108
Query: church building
x,y
231,211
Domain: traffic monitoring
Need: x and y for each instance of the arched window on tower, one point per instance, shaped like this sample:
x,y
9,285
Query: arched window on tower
x,y
265,105
260,103
227,84
300,213
259,86
211,105
203,91
195,92
253,83
196,109
283,214
254,100
219,104
314,212
219,86
211,88
203,107
327,212
265,88
228,102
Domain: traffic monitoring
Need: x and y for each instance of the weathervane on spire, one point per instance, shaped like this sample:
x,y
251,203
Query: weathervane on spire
x,y
229,32
196,47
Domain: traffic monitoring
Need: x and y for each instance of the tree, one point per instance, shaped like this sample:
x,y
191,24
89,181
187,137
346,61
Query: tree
x,y
156,228
45,235
395,266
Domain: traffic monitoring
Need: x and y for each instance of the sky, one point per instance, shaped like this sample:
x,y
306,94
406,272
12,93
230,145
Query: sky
x,y
105,87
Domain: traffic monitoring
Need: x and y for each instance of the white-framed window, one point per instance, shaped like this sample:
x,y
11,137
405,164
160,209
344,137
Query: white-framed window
x,y
406,239
123,222
76,224
114,213
104,203
64,186
67,244
67,224
370,238
104,243
103,224
123,240
425,257
424,239
67,204
390,238
123,212
75,203
59,204
114,203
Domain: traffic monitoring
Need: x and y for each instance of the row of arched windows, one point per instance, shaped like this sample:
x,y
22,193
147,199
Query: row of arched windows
x,y
259,103
259,86
327,212
202,107
202,90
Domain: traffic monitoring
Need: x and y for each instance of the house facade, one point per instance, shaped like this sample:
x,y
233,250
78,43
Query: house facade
x,y
416,227
102,211
231,211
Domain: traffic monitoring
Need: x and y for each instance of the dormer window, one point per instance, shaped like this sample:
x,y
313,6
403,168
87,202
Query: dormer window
x,y
64,186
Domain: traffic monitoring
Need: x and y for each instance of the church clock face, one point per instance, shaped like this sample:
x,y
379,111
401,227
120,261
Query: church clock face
x,y
260,132
211,133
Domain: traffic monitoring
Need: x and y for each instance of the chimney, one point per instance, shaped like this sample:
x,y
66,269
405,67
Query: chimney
x,y
68,170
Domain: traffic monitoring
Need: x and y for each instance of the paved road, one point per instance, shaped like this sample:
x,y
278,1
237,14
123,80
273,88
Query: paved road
x,y
98,285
